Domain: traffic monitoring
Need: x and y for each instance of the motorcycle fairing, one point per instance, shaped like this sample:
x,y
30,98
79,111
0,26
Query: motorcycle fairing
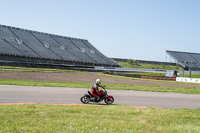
x,y
110,97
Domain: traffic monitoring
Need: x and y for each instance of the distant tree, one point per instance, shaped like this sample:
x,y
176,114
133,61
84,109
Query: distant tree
x,y
164,66
132,62
135,62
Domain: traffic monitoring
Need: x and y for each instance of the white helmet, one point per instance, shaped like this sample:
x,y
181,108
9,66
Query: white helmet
x,y
98,81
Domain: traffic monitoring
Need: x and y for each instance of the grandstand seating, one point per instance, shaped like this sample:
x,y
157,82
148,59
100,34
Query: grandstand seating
x,y
31,44
188,60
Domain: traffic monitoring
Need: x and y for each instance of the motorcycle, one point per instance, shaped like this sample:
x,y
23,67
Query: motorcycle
x,y
87,98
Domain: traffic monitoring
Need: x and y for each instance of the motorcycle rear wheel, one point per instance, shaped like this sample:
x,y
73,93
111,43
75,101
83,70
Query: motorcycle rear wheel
x,y
85,99
109,101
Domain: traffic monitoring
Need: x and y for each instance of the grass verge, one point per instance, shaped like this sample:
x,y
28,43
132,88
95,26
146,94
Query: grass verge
x,y
151,88
148,66
109,119
25,69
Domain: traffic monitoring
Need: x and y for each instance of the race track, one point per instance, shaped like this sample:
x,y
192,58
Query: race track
x,y
29,94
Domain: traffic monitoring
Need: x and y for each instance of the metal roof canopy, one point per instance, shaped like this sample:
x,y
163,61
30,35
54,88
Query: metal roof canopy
x,y
190,61
32,44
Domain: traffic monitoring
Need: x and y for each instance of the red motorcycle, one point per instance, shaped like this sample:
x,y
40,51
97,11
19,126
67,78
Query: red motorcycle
x,y
87,98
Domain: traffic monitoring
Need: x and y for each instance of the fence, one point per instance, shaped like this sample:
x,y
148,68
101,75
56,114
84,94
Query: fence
x,y
189,74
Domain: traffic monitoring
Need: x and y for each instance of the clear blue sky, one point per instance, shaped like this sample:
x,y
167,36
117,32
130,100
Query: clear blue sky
x,y
131,29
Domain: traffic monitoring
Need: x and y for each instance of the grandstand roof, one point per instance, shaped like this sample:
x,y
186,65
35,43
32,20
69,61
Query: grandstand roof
x,y
32,44
186,59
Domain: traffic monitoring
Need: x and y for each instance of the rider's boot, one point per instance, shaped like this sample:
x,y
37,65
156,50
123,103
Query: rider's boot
x,y
97,99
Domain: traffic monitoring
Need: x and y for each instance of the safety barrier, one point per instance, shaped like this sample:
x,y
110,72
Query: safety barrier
x,y
191,80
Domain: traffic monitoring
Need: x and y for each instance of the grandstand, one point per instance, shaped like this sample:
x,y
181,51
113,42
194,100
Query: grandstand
x,y
27,47
189,61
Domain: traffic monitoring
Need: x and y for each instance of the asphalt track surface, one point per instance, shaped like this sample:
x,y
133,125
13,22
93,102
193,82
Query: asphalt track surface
x,y
59,95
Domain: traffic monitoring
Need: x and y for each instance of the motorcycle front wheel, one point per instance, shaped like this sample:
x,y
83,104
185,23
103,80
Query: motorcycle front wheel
x,y
85,99
109,101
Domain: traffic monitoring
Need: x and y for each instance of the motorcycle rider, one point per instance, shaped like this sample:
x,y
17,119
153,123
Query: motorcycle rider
x,y
95,90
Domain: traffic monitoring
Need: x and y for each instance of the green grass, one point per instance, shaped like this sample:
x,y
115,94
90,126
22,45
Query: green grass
x,y
148,66
96,119
158,67
187,75
148,74
109,119
151,88
44,83
25,69
156,88
133,78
